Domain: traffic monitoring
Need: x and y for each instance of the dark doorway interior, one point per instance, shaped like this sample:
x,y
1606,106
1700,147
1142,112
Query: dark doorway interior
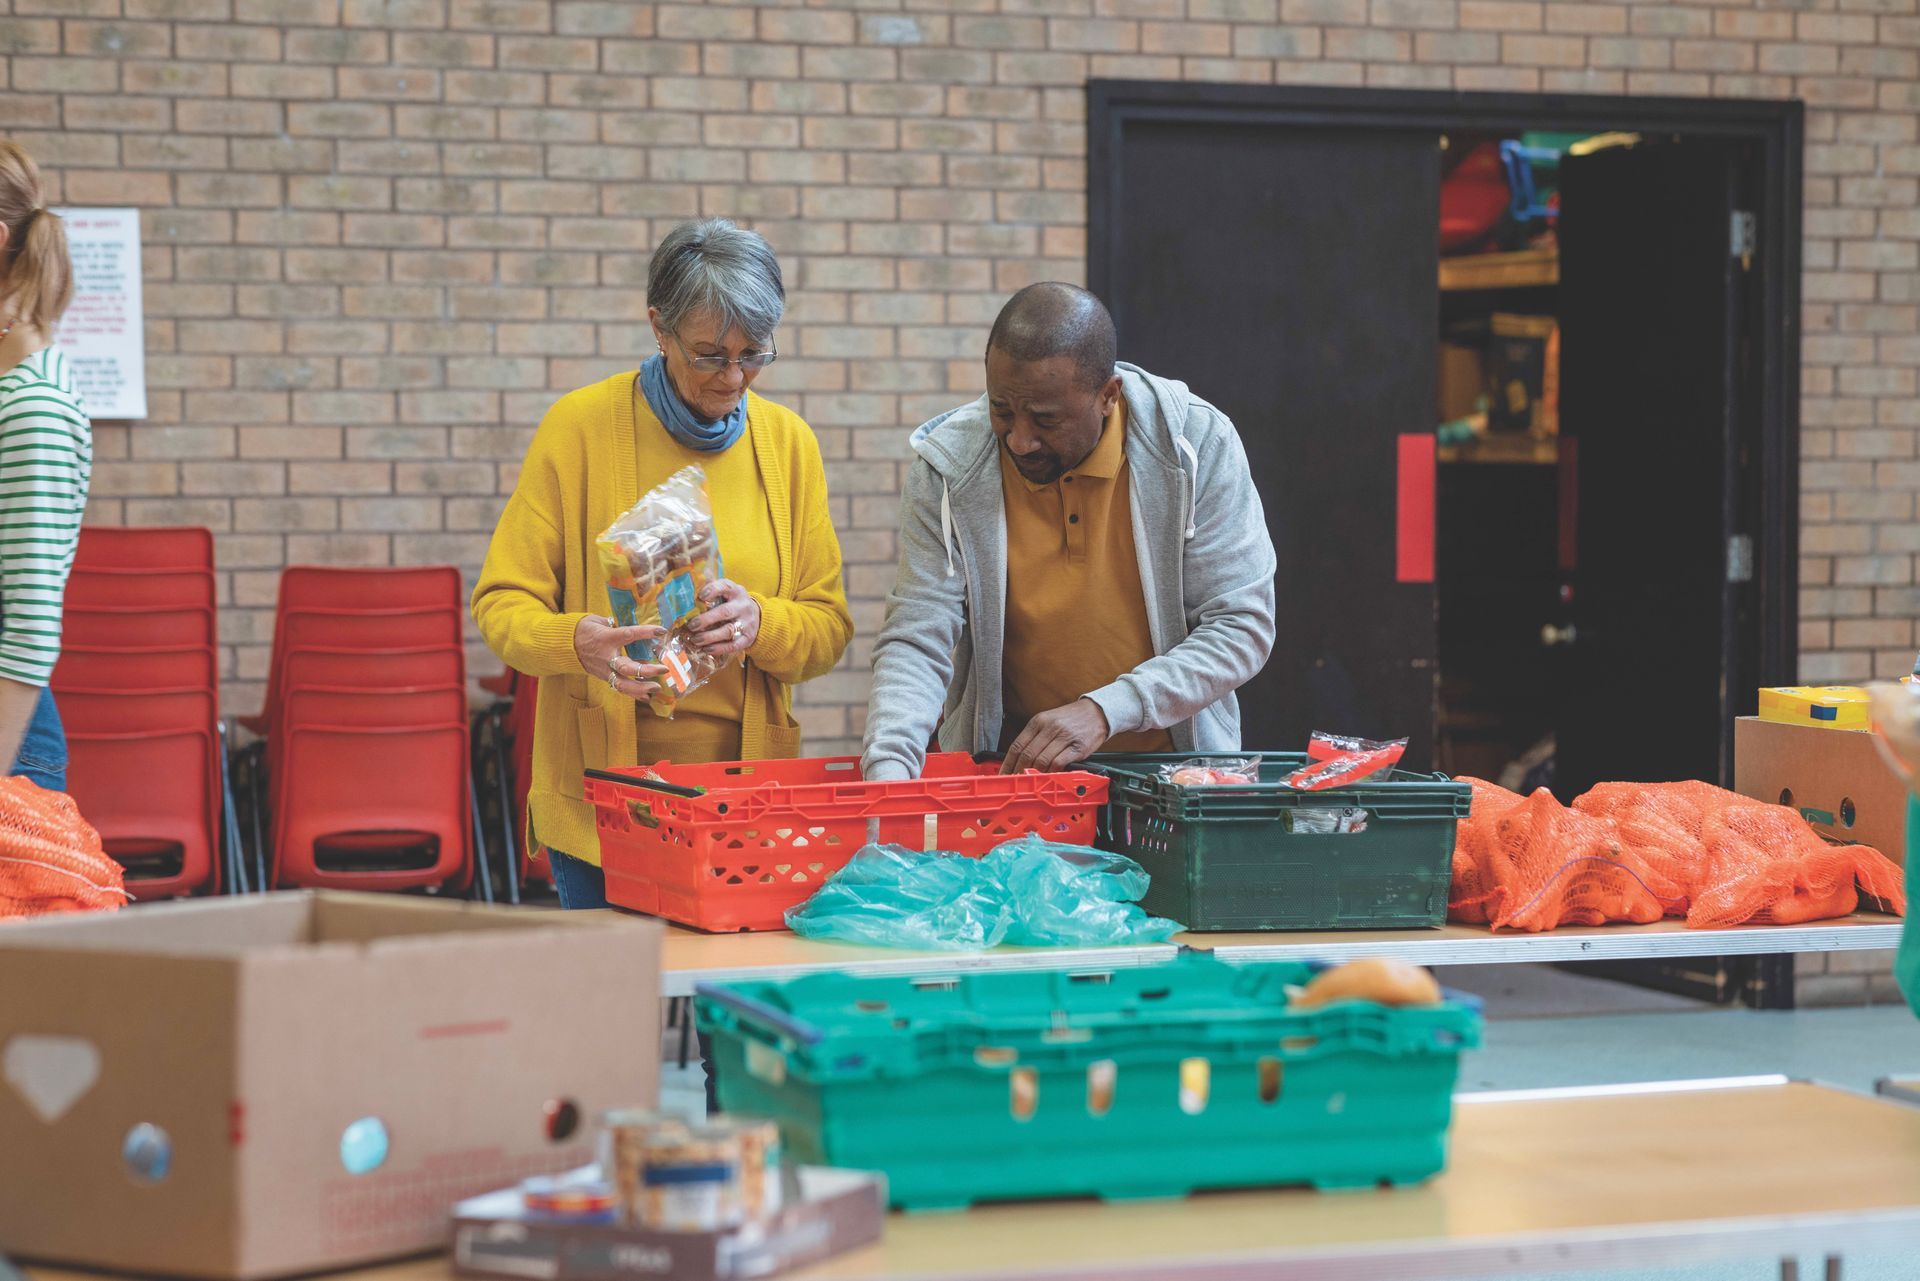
x,y
1606,596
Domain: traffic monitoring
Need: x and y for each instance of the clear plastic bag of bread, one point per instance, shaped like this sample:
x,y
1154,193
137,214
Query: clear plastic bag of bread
x,y
658,559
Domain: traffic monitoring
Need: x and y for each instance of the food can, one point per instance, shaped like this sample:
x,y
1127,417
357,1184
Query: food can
x,y
691,1181
575,1201
625,1134
760,1188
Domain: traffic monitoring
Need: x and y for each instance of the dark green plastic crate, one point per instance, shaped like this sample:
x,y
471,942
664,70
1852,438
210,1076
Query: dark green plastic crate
x,y
1227,858
917,1078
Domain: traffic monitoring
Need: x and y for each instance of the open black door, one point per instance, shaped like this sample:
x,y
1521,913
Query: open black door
x,y
1289,276
1651,385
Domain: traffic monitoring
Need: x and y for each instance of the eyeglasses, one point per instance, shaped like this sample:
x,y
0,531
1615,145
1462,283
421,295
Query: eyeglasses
x,y
714,364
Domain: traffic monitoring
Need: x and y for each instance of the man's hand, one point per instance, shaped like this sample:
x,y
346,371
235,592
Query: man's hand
x,y
1059,738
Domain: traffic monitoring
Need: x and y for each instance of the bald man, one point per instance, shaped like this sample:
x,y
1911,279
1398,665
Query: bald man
x,y
1084,563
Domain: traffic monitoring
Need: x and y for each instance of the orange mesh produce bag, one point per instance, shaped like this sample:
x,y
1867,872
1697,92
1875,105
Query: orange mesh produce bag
x,y
1639,851
1530,863
50,858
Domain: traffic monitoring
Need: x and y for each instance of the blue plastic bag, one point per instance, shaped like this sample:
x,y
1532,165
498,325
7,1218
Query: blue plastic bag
x,y
1025,893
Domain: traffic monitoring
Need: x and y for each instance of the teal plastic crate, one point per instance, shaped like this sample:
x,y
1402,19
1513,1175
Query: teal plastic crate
x,y
1144,1082
1232,857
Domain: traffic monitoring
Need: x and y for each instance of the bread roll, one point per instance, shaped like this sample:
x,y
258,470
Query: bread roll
x,y
1386,982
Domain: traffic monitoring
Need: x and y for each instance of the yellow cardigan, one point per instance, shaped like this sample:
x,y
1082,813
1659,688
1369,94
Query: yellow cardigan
x,y
541,577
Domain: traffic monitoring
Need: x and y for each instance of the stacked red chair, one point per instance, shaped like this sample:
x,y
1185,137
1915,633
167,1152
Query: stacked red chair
x,y
138,690
506,738
366,731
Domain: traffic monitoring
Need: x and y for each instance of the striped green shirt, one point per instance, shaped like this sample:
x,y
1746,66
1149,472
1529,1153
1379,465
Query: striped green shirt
x,y
46,462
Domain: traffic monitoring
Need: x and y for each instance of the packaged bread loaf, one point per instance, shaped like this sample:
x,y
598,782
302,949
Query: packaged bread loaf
x,y
658,558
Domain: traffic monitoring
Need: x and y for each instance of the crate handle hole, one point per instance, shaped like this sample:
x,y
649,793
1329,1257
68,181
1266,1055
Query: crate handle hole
x,y
1100,1078
1196,1082
1269,1079
1156,994
841,767
1298,1044
1847,812
1103,977
1023,1090
938,985
996,1056
870,1007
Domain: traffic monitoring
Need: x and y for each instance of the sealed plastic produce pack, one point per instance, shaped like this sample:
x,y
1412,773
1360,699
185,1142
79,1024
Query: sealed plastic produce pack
x,y
1210,771
1335,760
658,558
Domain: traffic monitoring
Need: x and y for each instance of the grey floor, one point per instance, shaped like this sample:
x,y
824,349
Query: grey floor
x,y
1553,1027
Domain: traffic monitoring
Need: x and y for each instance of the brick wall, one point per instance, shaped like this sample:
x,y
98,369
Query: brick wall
x,y
383,234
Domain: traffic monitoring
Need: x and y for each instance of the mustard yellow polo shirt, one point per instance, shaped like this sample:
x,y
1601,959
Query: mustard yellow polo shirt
x,y
1076,617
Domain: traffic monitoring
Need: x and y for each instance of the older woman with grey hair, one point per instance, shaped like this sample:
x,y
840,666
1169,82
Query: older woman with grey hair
x,y
714,298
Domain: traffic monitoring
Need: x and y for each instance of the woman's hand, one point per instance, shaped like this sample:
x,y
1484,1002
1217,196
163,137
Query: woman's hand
x,y
731,623
601,645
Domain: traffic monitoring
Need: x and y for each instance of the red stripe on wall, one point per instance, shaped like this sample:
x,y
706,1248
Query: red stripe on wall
x,y
1414,531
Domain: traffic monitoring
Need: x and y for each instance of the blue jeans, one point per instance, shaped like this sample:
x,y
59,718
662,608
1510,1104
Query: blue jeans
x,y
583,886
43,749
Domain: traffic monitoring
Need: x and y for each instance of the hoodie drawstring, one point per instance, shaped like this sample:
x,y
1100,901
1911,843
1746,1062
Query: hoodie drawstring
x,y
946,523
1193,480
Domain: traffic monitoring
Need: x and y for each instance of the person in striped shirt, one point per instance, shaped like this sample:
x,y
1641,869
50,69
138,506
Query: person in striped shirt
x,y
46,461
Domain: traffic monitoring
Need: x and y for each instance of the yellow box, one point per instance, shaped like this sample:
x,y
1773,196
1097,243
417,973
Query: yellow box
x,y
1822,706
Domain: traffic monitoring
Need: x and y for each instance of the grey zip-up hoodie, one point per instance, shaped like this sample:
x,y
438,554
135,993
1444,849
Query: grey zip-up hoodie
x,y
1206,571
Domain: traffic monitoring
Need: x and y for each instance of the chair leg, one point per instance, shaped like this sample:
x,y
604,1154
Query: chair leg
x,y
255,757
235,855
503,786
484,880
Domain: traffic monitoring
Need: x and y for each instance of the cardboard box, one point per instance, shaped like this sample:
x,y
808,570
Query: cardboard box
x,y
272,1042
1836,778
835,1211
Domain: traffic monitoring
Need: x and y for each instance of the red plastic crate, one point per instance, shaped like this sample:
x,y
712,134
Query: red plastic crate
x,y
765,833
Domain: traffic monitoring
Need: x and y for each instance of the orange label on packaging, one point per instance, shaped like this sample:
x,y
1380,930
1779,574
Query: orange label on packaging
x,y
679,671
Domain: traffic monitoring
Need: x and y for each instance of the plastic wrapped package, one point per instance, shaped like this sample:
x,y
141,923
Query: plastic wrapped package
x,y
1335,760
1026,893
1213,771
658,559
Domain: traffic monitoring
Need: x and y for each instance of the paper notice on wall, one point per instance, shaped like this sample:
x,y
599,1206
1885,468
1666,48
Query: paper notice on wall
x,y
103,332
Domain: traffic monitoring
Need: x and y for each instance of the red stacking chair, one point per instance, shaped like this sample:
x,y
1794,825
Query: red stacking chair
x,y
136,629
118,669
134,589
144,768
320,590
145,547
138,689
505,731
526,702
366,707
374,668
364,778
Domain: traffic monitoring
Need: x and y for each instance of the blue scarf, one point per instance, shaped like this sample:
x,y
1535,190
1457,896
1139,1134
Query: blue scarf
x,y
679,420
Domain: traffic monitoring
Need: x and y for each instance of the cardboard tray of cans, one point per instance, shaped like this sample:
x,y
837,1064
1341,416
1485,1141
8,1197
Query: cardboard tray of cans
x,y
827,1212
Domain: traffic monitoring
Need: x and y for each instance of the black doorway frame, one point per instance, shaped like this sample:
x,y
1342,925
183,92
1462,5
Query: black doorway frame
x,y
1776,127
